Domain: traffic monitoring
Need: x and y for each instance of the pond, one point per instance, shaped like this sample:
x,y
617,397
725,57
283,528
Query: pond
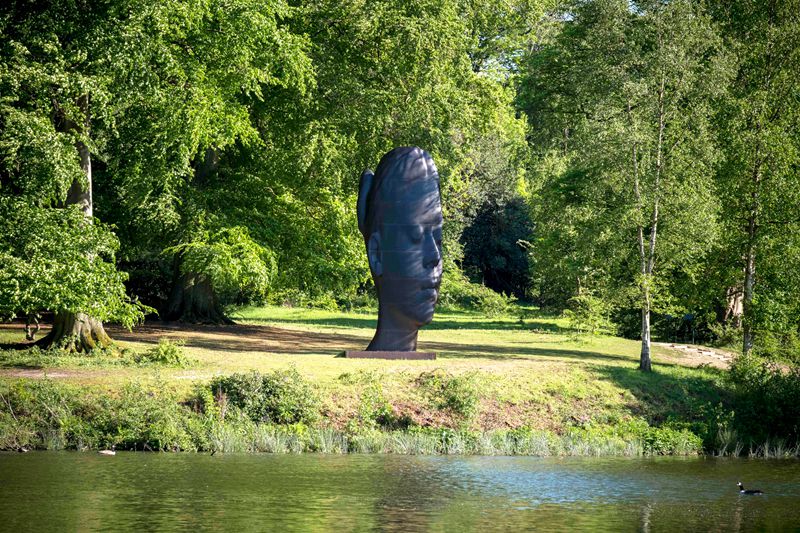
x,y
56,491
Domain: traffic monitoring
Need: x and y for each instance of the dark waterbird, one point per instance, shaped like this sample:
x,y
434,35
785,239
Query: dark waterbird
x,y
752,491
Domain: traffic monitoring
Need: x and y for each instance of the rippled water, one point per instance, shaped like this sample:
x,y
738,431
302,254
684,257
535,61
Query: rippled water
x,y
51,491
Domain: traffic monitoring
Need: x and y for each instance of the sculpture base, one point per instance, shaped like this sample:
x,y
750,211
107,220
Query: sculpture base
x,y
363,354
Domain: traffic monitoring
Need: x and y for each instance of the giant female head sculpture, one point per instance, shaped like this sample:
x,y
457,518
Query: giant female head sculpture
x,y
400,217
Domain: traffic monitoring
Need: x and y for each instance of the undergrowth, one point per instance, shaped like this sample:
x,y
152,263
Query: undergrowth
x,y
44,414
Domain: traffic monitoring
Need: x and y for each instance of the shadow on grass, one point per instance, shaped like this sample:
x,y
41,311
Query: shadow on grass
x,y
670,393
22,365
273,339
436,325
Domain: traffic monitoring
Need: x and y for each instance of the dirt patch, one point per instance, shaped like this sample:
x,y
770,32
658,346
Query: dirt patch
x,y
236,337
35,373
693,355
242,338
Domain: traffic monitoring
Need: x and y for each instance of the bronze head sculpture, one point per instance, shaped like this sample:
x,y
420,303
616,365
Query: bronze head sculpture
x,y
400,217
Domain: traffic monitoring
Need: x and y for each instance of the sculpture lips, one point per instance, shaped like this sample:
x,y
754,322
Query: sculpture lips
x,y
434,284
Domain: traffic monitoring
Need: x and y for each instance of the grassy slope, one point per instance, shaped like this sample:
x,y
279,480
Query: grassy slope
x,y
530,371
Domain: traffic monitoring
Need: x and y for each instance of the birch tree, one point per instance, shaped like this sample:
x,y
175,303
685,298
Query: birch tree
x,y
629,86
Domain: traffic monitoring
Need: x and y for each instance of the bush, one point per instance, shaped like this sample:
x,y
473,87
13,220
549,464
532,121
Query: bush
x,y
457,291
298,298
280,397
589,314
726,335
167,352
766,399
784,346
142,419
458,394
47,414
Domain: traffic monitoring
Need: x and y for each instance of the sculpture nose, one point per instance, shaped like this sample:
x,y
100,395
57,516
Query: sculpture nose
x,y
431,255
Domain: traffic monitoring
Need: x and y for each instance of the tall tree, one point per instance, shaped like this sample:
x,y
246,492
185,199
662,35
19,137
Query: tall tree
x,y
629,87
759,126
54,85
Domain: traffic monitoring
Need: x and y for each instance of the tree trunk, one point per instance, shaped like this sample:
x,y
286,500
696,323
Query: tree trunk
x,y
749,285
648,259
750,257
77,332
193,300
644,358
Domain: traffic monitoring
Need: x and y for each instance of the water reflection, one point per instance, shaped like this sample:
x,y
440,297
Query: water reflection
x,y
84,491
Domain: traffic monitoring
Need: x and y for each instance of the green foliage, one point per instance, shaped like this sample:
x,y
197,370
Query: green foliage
x,y
757,181
496,247
57,416
589,314
663,440
298,298
36,357
280,397
457,291
374,410
240,270
57,260
167,352
621,95
458,394
767,399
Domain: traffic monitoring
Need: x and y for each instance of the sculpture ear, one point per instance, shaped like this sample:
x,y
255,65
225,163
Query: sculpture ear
x,y
374,254
364,185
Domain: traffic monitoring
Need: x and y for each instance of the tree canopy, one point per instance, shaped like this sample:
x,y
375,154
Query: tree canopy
x,y
636,159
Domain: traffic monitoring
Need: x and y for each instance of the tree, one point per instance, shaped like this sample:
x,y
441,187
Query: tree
x,y
52,88
758,181
496,247
630,87
189,77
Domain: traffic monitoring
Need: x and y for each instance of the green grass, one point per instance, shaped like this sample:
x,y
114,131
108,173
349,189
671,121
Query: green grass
x,y
530,370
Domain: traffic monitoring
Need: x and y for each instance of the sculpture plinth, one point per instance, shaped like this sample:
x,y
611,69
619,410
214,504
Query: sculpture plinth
x,y
375,354
400,217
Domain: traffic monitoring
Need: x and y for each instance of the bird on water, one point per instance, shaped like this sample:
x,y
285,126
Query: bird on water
x,y
750,491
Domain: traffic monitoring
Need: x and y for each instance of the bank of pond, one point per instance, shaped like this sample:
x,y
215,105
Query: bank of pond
x,y
282,412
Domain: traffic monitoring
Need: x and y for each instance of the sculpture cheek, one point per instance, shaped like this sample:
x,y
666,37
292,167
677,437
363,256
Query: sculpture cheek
x,y
374,255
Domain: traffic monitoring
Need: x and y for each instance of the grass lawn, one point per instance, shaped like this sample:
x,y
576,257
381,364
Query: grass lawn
x,y
527,369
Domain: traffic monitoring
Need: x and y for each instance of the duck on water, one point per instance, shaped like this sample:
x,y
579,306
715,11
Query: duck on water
x,y
750,491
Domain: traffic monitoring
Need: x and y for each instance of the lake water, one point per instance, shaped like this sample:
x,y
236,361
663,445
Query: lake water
x,y
63,491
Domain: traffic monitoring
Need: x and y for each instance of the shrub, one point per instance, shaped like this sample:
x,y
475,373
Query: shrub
x,y
589,314
142,419
280,397
725,335
458,291
167,352
766,399
458,394
298,298
373,408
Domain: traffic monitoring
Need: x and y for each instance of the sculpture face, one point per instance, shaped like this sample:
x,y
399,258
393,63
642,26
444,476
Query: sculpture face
x,y
400,216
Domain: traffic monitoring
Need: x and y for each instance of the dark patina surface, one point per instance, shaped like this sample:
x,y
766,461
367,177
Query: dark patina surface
x,y
400,217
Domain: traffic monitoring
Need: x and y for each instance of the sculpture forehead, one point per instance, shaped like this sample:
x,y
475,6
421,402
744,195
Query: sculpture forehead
x,y
417,203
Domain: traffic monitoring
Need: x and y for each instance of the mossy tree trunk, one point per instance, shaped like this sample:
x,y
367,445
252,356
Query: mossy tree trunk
x,y
75,332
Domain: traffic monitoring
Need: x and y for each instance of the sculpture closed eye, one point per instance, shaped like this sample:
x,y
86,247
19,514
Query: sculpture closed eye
x,y
400,217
